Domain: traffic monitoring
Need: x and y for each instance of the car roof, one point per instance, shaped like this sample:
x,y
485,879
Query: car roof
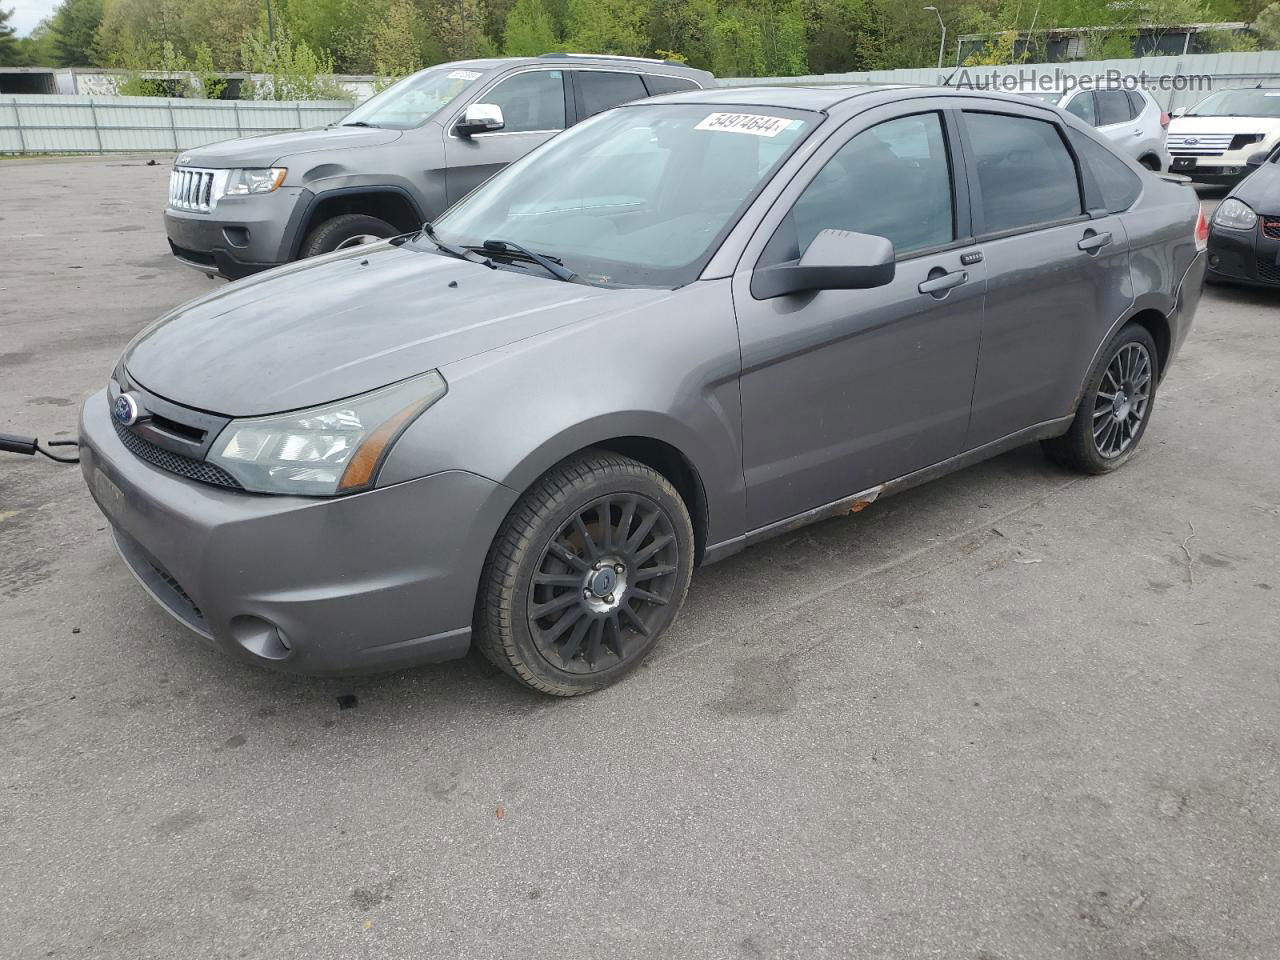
x,y
642,64
830,98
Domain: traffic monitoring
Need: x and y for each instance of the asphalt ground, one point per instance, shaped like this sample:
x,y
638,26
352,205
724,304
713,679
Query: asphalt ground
x,y
1012,714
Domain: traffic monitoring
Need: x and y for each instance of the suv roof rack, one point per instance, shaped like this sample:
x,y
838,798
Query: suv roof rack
x,y
607,56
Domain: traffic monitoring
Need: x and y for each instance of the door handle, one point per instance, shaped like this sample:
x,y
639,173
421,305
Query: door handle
x,y
943,283
1094,241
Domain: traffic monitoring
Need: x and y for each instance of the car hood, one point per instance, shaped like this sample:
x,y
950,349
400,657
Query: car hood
x,y
1189,126
321,330
1261,190
266,150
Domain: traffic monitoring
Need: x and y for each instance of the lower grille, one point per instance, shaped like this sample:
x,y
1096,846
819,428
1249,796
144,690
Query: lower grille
x,y
1268,270
172,462
1271,227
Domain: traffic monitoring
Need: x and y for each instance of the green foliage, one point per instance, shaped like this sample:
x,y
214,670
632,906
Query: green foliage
x,y
211,84
73,27
1267,25
287,70
607,26
392,44
167,62
529,30
10,48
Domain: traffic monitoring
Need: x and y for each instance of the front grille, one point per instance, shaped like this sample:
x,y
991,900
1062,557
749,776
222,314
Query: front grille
x,y
191,189
1268,270
1271,227
1204,145
172,462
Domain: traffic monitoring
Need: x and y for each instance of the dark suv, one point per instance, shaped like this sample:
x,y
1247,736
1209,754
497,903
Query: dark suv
x,y
399,159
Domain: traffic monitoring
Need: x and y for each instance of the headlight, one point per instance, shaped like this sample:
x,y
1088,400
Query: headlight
x,y
244,182
1235,215
327,450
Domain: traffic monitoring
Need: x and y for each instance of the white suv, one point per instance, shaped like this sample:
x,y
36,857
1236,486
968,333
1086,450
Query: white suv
x,y
1213,141
1130,119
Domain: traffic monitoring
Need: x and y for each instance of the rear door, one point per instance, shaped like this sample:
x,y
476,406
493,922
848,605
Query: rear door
x,y
1117,120
1057,275
535,107
845,389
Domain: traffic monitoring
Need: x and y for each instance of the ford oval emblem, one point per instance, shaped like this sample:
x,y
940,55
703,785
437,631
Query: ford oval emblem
x,y
1191,141
126,409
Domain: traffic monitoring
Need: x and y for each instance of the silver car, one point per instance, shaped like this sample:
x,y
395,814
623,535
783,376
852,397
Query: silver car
x,y
1131,120
684,326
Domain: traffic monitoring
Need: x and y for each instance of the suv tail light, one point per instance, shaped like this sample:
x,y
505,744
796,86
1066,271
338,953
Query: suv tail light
x,y
1164,118
1202,231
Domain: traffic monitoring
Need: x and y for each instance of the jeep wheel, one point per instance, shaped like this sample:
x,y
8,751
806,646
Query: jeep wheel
x,y
346,230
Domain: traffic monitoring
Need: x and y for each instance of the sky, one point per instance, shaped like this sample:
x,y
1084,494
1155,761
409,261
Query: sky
x,y
27,13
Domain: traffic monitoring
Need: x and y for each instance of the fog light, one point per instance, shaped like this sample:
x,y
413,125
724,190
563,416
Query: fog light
x,y
260,638
1213,259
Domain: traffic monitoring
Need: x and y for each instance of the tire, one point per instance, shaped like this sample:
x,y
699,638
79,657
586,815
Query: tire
x,y
1112,417
1151,163
552,554
344,229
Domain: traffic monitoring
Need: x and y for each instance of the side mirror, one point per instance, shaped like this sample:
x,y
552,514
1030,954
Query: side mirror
x,y
480,118
835,260
1180,112
1258,159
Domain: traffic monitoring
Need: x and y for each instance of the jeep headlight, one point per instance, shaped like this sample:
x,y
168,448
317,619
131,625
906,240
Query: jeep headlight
x,y
324,451
244,182
1235,215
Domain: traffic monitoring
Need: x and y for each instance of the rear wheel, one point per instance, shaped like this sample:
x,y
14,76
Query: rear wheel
x,y
346,230
588,570
1151,163
1115,409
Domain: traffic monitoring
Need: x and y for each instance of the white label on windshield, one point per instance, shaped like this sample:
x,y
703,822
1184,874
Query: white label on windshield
x,y
755,124
462,75
1271,94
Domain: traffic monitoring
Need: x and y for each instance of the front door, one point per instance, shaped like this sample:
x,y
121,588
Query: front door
x,y
845,389
533,110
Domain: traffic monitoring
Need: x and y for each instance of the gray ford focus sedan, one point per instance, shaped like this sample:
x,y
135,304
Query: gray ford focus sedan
x,y
681,327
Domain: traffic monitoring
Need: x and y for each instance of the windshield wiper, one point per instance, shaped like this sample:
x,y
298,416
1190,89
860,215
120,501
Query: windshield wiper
x,y
462,253
553,265
357,123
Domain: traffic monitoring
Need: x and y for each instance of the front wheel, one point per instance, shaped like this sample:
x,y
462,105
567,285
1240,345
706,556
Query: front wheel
x,y
588,570
1115,409
346,230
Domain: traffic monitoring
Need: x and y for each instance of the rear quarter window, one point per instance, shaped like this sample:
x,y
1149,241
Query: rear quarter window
x,y
659,84
1105,175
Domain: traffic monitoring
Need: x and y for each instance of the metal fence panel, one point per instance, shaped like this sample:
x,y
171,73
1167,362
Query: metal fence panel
x,y
39,123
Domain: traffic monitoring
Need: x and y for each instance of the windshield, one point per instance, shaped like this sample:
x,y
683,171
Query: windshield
x,y
1239,103
412,101
638,196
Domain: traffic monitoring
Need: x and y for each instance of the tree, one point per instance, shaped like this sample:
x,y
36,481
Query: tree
x,y
290,70
1268,26
607,26
10,48
73,27
394,49
529,30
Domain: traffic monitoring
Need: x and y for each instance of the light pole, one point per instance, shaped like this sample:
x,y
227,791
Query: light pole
x,y
942,44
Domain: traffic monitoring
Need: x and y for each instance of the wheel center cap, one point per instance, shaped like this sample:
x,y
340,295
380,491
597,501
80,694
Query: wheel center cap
x,y
1120,406
603,582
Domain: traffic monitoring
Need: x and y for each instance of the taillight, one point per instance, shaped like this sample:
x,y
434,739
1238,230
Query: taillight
x,y
1164,119
1202,231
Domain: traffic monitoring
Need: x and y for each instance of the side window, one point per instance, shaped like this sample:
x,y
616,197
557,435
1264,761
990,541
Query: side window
x,y
1026,175
1118,186
530,101
1081,105
1136,103
600,90
893,180
659,84
1113,107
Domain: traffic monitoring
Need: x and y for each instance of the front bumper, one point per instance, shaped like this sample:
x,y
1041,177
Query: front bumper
x,y
241,235
368,582
1244,256
1216,172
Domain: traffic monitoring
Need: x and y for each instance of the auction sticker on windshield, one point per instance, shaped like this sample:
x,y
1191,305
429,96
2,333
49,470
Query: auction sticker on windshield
x,y
755,124
462,75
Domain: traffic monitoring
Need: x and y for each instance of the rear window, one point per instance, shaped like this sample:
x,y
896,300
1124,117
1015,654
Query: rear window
x,y
1025,173
1113,107
599,90
1117,186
